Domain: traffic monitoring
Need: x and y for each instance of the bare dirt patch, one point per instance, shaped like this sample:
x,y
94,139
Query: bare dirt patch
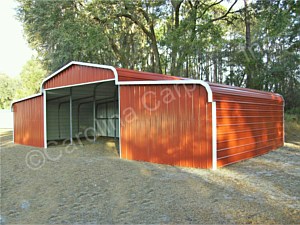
x,y
90,184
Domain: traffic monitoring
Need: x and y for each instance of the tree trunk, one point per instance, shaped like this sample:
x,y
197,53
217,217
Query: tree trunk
x,y
157,64
248,45
183,55
176,6
220,68
187,68
215,62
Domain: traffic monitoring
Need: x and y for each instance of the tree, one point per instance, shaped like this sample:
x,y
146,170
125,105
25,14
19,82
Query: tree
x,y
31,77
131,34
267,58
256,46
8,87
277,48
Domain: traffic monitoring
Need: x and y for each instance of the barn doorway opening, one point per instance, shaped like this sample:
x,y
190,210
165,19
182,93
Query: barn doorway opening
x,y
82,113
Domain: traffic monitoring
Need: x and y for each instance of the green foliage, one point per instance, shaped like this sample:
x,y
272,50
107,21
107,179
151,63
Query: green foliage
x,y
31,77
192,38
8,87
28,83
273,58
60,32
133,34
292,126
294,112
278,35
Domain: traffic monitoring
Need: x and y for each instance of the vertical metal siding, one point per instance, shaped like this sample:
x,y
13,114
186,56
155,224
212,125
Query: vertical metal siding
x,y
52,121
175,133
29,122
77,74
249,123
86,119
105,121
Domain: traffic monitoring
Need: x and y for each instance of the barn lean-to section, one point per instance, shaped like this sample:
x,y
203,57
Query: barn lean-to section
x,y
28,121
249,123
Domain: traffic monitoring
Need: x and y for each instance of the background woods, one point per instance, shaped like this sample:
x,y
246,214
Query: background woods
x,y
255,45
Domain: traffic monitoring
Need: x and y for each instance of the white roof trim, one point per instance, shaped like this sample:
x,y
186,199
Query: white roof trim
x,y
203,83
81,84
113,69
23,99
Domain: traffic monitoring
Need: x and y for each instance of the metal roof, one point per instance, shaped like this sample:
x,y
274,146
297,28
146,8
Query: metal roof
x,y
132,77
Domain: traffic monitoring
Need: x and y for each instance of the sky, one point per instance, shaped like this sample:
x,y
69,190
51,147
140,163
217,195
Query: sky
x,y
14,50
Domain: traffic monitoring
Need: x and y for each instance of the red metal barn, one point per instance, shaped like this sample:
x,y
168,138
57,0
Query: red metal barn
x,y
156,118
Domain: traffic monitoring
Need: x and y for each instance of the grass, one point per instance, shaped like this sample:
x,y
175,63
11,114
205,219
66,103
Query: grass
x,y
292,128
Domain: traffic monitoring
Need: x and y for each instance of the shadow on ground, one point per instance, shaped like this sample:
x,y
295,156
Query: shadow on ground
x,y
90,184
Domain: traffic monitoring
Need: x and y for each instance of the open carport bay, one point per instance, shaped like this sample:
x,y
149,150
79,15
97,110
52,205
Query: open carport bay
x,y
78,111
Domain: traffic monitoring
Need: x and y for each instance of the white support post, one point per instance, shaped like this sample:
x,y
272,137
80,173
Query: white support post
x,y
119,102
71,119
45,117
283,122
94,116
13,131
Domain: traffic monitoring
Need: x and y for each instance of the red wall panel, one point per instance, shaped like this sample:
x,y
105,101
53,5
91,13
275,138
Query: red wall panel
x,y
29,122
249,123
77,74
166,124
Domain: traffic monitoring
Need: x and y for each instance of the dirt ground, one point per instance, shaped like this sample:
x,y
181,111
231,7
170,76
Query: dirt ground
x,y
89,184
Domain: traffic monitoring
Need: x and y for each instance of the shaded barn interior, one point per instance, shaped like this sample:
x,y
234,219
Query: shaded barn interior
x,y
88,111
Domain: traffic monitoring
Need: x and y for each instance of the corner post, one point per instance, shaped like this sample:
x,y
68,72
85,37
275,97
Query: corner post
x,y
94,116
71,119
45,118
119,108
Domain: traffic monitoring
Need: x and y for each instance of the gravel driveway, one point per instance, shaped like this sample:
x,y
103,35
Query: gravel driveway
x,y
90,184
